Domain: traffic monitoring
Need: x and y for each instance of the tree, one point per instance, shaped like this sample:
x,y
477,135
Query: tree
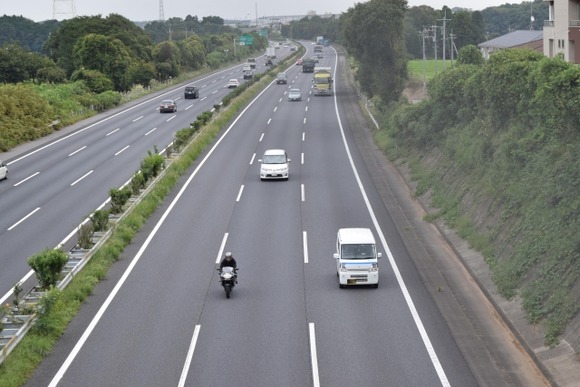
x,y
373,34
470,55
416,20
106,54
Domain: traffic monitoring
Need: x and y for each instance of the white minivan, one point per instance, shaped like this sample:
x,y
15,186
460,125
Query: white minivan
x,y
3,171
356,257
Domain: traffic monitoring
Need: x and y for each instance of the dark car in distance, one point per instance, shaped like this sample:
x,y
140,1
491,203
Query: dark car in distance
x,y
168,106
191,92
281,78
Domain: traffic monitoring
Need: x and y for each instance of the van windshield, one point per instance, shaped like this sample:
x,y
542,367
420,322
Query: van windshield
x,y
359,251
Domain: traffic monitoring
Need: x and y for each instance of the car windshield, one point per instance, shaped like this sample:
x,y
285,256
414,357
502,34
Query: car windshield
x,y
274,159
358,251
281,76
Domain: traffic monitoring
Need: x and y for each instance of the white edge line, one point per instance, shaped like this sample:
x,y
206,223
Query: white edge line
x,y
189,357
314,359
114,292
410,304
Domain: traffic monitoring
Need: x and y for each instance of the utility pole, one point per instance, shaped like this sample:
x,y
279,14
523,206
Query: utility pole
x,y
434,30
453,48
424,35
444,37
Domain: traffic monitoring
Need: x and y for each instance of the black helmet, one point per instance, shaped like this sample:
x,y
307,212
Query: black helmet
x,y
228,255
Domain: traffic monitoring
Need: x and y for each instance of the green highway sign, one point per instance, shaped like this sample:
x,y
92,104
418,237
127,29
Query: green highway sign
x,y
246,40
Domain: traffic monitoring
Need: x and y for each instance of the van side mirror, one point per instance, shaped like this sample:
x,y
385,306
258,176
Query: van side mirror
x,y
379,255
336,255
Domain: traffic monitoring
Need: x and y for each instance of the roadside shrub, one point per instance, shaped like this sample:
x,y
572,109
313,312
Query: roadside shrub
x,y
118,199
47,266
100,220
84,234
137,182
152,164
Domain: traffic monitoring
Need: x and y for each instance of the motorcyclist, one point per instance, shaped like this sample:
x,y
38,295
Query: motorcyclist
x,y
228,261
231,262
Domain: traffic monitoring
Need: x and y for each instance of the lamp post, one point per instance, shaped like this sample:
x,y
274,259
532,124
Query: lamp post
x,y
235,53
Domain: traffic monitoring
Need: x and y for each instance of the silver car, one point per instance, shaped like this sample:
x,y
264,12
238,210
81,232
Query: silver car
x,y
294,95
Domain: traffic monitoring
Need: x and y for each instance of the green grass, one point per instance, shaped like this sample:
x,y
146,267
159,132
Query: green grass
x,y
430,68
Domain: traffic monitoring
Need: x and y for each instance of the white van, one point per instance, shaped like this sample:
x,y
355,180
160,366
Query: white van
x,y
3,171
356,257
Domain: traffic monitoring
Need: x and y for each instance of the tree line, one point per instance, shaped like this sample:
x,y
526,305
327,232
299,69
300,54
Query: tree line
x,y
113,53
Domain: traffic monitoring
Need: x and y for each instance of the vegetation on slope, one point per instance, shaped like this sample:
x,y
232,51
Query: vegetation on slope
x,y
499,145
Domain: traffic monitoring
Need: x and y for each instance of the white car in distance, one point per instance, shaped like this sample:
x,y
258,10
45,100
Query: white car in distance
x,y
274,165
233,83
3,171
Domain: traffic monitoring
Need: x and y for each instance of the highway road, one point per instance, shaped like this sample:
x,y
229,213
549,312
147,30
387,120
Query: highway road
x,y
165,321
55,186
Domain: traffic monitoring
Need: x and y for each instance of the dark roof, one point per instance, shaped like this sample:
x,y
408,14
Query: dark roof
x,y
515,38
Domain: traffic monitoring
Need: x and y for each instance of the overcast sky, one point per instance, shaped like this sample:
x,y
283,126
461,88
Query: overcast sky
x,y
145,10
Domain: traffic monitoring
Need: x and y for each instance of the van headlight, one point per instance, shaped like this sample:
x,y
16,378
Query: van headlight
x,y
343,268
375,267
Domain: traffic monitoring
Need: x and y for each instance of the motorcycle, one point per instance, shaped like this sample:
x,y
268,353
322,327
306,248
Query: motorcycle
x,y
228,278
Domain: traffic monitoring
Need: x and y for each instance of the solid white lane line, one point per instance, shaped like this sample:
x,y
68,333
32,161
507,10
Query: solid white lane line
x,y
122,150
25,179
77,151
221,250
313,357
410,304
305,246
240,193
82,177
23,219
189,357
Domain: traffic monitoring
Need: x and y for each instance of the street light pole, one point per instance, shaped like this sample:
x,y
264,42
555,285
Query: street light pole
x,y
235,53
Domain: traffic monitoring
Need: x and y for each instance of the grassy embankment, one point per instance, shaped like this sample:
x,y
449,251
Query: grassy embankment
x,y
497,146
